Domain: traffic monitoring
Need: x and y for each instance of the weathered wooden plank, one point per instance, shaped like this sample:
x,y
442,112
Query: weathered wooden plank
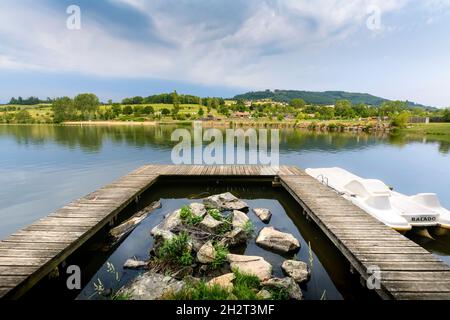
x,y
28,253
388,249
29,245
408,266
13,280
417,286
41,239
415,276
60,228
17,261
421,295
16,270
393,257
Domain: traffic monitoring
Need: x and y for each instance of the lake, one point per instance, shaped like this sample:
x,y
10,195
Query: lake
x,y
43,167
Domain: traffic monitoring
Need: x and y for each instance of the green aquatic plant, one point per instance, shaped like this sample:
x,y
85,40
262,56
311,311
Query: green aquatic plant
x,y
227,220
311,256
189,217
100,288
246,286
278,294
122,296
221,256
249,228
200,291
176,250
112,270
215,214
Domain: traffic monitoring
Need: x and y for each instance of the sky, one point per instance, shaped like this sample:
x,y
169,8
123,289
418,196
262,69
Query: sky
x,y
396,49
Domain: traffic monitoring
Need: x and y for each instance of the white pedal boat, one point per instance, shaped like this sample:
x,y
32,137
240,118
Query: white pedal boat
x,y
394,209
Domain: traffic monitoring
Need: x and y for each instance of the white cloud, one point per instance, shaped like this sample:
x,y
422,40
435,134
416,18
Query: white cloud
x,y
240,46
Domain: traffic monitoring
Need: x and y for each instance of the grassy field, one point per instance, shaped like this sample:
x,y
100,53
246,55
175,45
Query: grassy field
x,y
437,131
43,113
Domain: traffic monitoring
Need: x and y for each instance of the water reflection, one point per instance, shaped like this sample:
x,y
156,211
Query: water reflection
x,y
92,138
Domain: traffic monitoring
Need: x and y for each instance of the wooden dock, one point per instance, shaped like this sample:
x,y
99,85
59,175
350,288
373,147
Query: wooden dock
x,y
407,270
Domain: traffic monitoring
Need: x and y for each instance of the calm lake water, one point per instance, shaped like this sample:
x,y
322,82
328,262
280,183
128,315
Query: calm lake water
x,y
44,167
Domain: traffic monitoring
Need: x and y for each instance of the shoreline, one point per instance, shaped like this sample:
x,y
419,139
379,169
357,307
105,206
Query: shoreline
x,y
109,123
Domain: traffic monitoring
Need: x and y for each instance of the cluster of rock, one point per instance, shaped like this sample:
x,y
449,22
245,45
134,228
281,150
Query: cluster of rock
x,y
208,232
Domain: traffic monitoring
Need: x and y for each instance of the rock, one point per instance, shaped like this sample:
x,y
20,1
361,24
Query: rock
x,y
183,273
264,294
239,219
162,234
134,264
164,229
190,280
225,281
130,224
151,286
225,201
210,224
297,270
198,209
251,265
276,240
234,237
207,253
263,214
287,284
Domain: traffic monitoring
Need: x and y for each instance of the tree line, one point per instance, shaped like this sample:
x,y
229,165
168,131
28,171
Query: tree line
x,y
28,101
173,98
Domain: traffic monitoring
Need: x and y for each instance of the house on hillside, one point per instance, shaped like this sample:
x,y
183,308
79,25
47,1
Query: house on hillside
x,y
419,120
242,115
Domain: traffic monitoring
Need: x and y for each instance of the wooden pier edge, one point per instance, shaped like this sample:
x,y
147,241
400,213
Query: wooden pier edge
x,y
404,269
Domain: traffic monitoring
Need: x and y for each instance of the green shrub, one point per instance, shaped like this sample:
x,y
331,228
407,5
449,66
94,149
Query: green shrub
x,y
227,221
188,217
278,294
249,228
246,286
400,120
177,250
201,291
220,257
215,214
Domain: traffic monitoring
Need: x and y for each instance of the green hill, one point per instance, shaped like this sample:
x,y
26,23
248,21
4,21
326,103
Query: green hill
x,y
318,98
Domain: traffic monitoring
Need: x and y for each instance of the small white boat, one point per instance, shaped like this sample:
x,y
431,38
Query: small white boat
x,y
394,209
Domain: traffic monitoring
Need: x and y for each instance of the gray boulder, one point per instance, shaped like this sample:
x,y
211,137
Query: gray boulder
x,y
264,294
252,265
234,237
287,284
297,270
164,229
210,224
134,264
264,214
151,286
225,201
239,219
198,209
207,253
276,240
225,281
